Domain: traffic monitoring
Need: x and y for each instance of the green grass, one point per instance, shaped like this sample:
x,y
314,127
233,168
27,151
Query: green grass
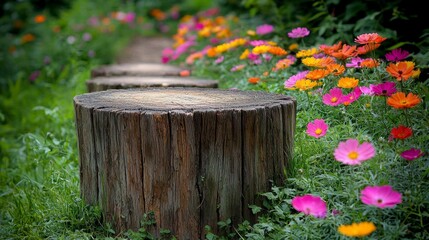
x,y
39,171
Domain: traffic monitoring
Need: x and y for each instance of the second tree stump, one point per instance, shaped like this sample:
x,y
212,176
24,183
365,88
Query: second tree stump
x,y
192,156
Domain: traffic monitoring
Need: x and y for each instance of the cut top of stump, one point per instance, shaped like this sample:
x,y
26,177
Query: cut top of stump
x,y
136,69
188,99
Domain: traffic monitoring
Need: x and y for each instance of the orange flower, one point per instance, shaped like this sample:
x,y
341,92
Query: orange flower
x,y
211,52
367,48
336,69
345,52
369,63
39,18
402,71
347,82
278,51
27,38
330,49
158,14
317,74
400,101
253,80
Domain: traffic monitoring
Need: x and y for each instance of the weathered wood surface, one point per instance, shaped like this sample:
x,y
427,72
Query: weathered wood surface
x,y
136,69
193,156
122,82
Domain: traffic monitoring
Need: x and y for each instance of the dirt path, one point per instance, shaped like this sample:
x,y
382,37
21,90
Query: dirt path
x,y
145,50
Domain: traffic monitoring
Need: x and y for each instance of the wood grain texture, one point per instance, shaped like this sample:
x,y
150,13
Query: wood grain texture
x,y
123,82
136,69
192,156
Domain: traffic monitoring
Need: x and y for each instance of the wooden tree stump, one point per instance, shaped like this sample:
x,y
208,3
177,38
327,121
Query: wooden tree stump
x,y
192,156
136,69
122,82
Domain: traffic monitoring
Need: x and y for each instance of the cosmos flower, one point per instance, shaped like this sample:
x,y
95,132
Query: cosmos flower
x,y
401,101
368,38
290,82
360,229
401,132
317,128
411,154
219,59
348,82
355,62
397,55
402,71
310,205
299,32
380,196
351,97
351,152
333,98
384,89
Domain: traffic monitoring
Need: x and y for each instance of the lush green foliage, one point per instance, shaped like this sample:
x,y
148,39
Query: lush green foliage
x,y
39,174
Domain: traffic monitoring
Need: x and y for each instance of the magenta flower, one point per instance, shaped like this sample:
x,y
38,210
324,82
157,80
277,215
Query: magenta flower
x,y
290,82
299,32
367,90
380,196
411,154
396,55
264,29
317,128
310,205
384,89
351,97
351,152
333,98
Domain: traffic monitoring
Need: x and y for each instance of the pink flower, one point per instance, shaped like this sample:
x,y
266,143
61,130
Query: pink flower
x,y
290,82
299,32
351,152
367,90
396,55
310,205
333,98
351,97
317,128
264,29
384,89
255,43
219,59
411,154
380,196
354,62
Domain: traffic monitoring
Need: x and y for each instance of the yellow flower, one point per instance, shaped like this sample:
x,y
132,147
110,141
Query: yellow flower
x,y
305,84
307,52
251,33
348,82
416,73
293,46
261,49
205,32
245,54
361,229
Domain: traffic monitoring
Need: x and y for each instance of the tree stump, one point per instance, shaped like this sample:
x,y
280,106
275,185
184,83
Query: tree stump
x,y
192,156
122,82
136,69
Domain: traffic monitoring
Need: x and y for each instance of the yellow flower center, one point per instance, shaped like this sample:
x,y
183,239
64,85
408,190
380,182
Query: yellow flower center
x,y
404,102
318,131
353,155
334,99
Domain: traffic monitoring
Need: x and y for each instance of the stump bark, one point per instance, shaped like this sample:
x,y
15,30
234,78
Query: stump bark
x,y
136,69
122,82
192,156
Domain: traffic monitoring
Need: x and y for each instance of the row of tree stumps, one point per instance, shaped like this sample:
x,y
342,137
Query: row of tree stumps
x,y
189,153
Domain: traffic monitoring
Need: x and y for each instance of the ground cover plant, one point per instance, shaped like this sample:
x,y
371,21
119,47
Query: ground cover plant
x,y
360,164
360,161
